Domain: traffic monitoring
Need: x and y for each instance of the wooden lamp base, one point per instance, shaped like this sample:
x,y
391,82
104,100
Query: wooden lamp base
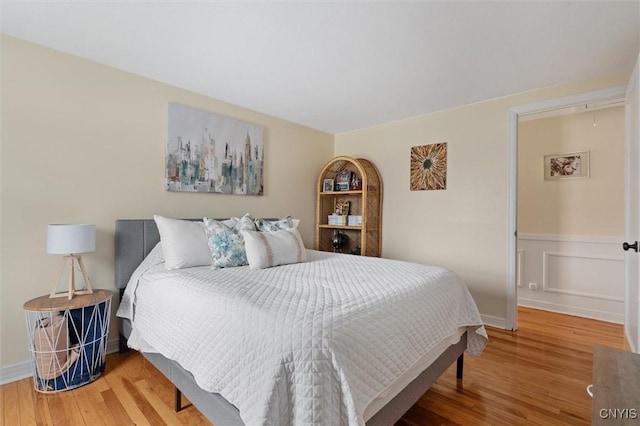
x,y
70,260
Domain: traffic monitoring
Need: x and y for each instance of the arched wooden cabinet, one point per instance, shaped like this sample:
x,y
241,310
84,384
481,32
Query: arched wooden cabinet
x,y
364,197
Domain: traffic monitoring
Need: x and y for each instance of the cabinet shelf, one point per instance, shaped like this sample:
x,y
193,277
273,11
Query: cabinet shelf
x,y
365,202
349,192
339,227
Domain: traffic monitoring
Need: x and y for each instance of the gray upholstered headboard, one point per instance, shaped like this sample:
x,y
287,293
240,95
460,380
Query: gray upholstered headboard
x,y
135,238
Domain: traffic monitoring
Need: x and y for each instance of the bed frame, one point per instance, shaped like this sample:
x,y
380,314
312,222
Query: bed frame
x,y
134,240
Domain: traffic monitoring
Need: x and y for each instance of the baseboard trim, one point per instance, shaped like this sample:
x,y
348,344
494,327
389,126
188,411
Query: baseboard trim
x,y
15,372
21,370
494,321
572,310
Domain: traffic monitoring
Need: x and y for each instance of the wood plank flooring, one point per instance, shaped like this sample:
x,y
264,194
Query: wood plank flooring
x,y
535,376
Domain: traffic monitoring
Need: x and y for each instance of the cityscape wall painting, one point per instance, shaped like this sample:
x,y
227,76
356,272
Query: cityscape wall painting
x,y
211,153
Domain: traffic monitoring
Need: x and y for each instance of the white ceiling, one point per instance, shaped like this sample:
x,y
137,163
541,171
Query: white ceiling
x,y
341,66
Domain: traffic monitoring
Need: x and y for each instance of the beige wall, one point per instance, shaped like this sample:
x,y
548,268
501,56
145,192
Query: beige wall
x,y
463,227
82,142
593,206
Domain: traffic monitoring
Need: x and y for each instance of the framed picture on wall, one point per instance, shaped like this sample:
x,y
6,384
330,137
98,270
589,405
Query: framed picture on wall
x,y
212,153
566,166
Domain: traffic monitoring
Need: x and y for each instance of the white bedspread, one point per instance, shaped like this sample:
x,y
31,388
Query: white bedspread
x,y
310,343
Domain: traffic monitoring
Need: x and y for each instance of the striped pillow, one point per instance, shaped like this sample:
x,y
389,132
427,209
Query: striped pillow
x,y
267,249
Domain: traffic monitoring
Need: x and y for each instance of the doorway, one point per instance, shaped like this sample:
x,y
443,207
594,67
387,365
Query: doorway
x,y
597,97
570,216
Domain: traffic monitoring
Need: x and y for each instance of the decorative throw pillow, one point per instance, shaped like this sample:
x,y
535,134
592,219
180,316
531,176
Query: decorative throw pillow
x,y
226,243
184,243
267,249
246,222
274,225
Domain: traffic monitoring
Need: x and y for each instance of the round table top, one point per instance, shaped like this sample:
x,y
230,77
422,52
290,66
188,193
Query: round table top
x,y
45,303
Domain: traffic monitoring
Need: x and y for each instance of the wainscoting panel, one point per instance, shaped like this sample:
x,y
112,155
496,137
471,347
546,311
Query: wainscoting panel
x,y
576,275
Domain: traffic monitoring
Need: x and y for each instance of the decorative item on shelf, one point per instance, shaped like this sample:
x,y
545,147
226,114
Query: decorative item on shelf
x,y
342,207
338,241
327,185
356,183
343,180
354,220
70,240
337,219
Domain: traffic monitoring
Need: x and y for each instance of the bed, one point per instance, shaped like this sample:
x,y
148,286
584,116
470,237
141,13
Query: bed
x,y
347,354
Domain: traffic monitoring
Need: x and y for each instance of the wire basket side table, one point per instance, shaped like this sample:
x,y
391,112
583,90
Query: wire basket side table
x,y
67,339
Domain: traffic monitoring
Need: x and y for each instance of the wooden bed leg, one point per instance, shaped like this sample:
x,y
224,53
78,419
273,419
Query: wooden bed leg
x,y
178,399
459,366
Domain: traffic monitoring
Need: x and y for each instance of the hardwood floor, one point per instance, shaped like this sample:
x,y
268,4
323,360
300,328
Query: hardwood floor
x,y
535,376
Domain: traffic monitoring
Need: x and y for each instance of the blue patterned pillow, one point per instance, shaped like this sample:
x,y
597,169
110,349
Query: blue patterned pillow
x,y
226,243
272,226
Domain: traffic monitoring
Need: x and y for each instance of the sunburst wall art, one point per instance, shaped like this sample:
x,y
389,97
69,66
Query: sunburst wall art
x,y
428,167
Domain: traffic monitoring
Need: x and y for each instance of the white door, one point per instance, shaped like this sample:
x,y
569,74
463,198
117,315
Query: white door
x,y
632,212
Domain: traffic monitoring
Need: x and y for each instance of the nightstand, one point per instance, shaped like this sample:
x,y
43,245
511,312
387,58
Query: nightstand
x,y
67,339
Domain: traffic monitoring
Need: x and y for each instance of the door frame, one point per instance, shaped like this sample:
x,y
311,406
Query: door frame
x,y
632,146
618,92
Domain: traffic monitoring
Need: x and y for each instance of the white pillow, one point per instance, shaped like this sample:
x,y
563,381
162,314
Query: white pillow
x,y
184,243
267,249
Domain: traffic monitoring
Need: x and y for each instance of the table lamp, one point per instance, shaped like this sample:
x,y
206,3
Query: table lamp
x,y
70,240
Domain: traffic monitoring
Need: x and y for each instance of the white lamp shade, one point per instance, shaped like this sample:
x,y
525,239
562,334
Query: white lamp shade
x,y
71,239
